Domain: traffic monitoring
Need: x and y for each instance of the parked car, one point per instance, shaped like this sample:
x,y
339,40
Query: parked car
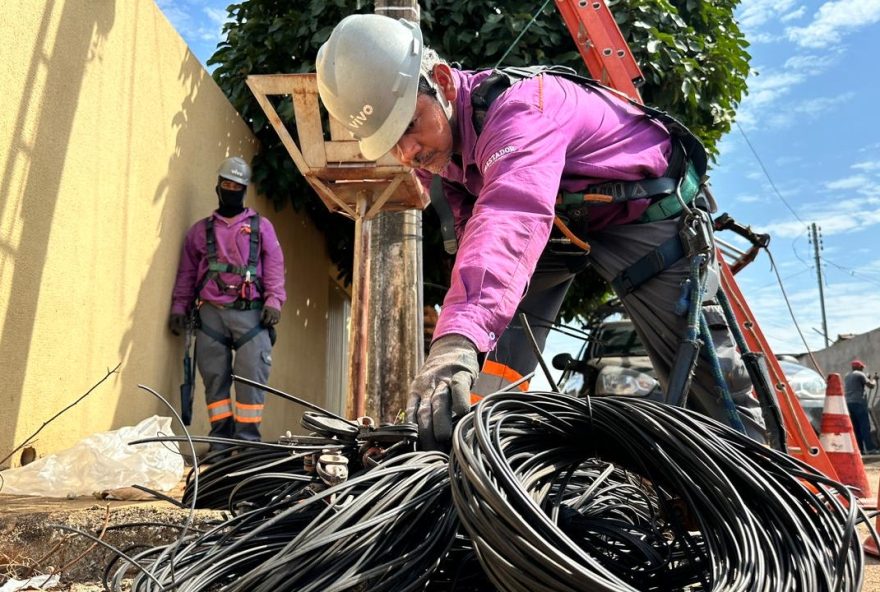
x,y
614,362
809,386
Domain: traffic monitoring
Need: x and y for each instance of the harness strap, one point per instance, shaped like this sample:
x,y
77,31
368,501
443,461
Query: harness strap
x,y
620,191
444,212
660,259
247,336
247,272
227,340
670,206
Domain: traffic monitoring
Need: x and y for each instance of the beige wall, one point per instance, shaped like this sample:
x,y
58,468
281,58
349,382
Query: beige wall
x,y
110,136
837,357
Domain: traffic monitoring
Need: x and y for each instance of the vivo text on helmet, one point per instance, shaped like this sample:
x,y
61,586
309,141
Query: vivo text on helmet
x,y
368,78
235,169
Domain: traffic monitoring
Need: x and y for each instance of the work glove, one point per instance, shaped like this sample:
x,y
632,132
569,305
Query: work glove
x,y
270,316
441,391
177,323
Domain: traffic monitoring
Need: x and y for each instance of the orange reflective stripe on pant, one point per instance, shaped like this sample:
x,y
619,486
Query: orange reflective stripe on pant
x,y
248,413
220,410
495,377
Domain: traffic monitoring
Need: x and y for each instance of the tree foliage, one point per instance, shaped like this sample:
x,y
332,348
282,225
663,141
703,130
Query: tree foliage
x,y
691,52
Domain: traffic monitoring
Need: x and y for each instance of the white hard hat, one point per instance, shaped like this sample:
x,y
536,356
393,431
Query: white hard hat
x,y
368,78
235,169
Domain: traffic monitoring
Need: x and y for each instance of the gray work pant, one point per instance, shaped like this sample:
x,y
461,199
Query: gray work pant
x,y
217,362
651,308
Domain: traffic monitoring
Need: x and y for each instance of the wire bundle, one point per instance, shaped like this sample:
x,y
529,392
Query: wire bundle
x,y
254,475
386,529
559,493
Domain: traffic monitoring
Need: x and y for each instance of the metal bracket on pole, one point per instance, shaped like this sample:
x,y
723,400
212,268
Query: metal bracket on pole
x,y
347,183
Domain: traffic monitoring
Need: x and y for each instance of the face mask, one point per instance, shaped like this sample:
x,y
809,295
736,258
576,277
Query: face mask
x,y
231,201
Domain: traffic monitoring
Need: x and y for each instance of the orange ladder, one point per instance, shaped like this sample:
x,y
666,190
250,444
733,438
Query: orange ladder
x,y
610,61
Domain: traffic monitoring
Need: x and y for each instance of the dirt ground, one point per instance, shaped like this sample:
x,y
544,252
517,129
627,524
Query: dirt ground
x,y
27,534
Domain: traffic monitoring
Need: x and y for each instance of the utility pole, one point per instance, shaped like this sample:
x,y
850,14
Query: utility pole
x,y
394,338
817,246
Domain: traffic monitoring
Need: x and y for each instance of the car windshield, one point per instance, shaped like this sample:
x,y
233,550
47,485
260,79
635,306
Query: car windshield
x,y
619,340
805,382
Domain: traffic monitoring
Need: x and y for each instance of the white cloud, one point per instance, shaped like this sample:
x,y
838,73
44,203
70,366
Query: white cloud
x,y
216,15
807,110
748,198
794,14
848,182
834,20
868,165
846,300
770,86
756,13
813,64
839,222
178,16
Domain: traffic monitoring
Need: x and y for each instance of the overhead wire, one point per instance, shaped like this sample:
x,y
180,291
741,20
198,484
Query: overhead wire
x,y
766,172
849,271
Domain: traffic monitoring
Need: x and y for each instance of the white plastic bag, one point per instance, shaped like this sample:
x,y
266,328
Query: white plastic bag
x,y
38,582
102,461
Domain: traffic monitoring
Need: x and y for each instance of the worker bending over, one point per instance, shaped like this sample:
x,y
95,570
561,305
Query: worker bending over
x,y
516,150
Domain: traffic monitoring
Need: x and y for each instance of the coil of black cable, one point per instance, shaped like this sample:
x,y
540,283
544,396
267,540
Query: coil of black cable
x,y
617,494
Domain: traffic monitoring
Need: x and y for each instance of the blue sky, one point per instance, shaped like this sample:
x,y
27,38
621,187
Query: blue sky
x,y
811,119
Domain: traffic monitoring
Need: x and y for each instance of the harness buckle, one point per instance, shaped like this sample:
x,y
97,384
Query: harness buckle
x,y
696,235
697,238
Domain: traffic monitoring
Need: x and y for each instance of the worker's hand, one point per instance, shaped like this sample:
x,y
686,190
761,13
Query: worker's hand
x,y
441,391
177,323
270,316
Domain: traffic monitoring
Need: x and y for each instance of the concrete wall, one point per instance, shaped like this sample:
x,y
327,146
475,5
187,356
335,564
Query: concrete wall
x,y
110,137
837,357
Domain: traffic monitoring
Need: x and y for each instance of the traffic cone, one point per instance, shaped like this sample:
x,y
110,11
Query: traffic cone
x,y
839,441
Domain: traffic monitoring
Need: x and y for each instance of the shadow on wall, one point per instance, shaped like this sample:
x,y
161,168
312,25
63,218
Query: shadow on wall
x,y
204,136
64,65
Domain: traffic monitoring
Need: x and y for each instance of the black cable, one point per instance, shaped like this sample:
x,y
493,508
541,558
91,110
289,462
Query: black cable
x,y
636,495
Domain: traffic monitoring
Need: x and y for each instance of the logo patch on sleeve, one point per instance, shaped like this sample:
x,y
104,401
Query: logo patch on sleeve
x,y
498,156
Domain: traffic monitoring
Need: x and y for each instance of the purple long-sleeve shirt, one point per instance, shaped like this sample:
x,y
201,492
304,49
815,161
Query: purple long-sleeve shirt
x,y
541,135
233,246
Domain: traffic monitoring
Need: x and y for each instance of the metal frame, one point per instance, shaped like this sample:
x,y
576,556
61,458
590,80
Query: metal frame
x,y
347,183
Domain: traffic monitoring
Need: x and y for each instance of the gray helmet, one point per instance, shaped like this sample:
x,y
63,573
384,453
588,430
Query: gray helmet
x,y
235,169
368,78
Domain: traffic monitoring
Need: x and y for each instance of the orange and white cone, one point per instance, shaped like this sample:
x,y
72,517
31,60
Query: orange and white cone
x,y
839,441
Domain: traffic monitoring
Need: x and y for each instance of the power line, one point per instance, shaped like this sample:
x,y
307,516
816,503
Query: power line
x,y
788,305
851,272
766,172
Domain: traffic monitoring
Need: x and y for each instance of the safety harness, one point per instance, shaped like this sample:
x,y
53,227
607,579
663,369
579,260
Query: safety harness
x,y
248,273
683,185
250,281
670,193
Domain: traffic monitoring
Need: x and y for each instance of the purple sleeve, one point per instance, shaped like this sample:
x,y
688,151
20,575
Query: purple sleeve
x,y
272,261
521,154
184,292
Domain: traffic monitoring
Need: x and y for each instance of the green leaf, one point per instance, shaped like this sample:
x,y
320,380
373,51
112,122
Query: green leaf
x,y
692,53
